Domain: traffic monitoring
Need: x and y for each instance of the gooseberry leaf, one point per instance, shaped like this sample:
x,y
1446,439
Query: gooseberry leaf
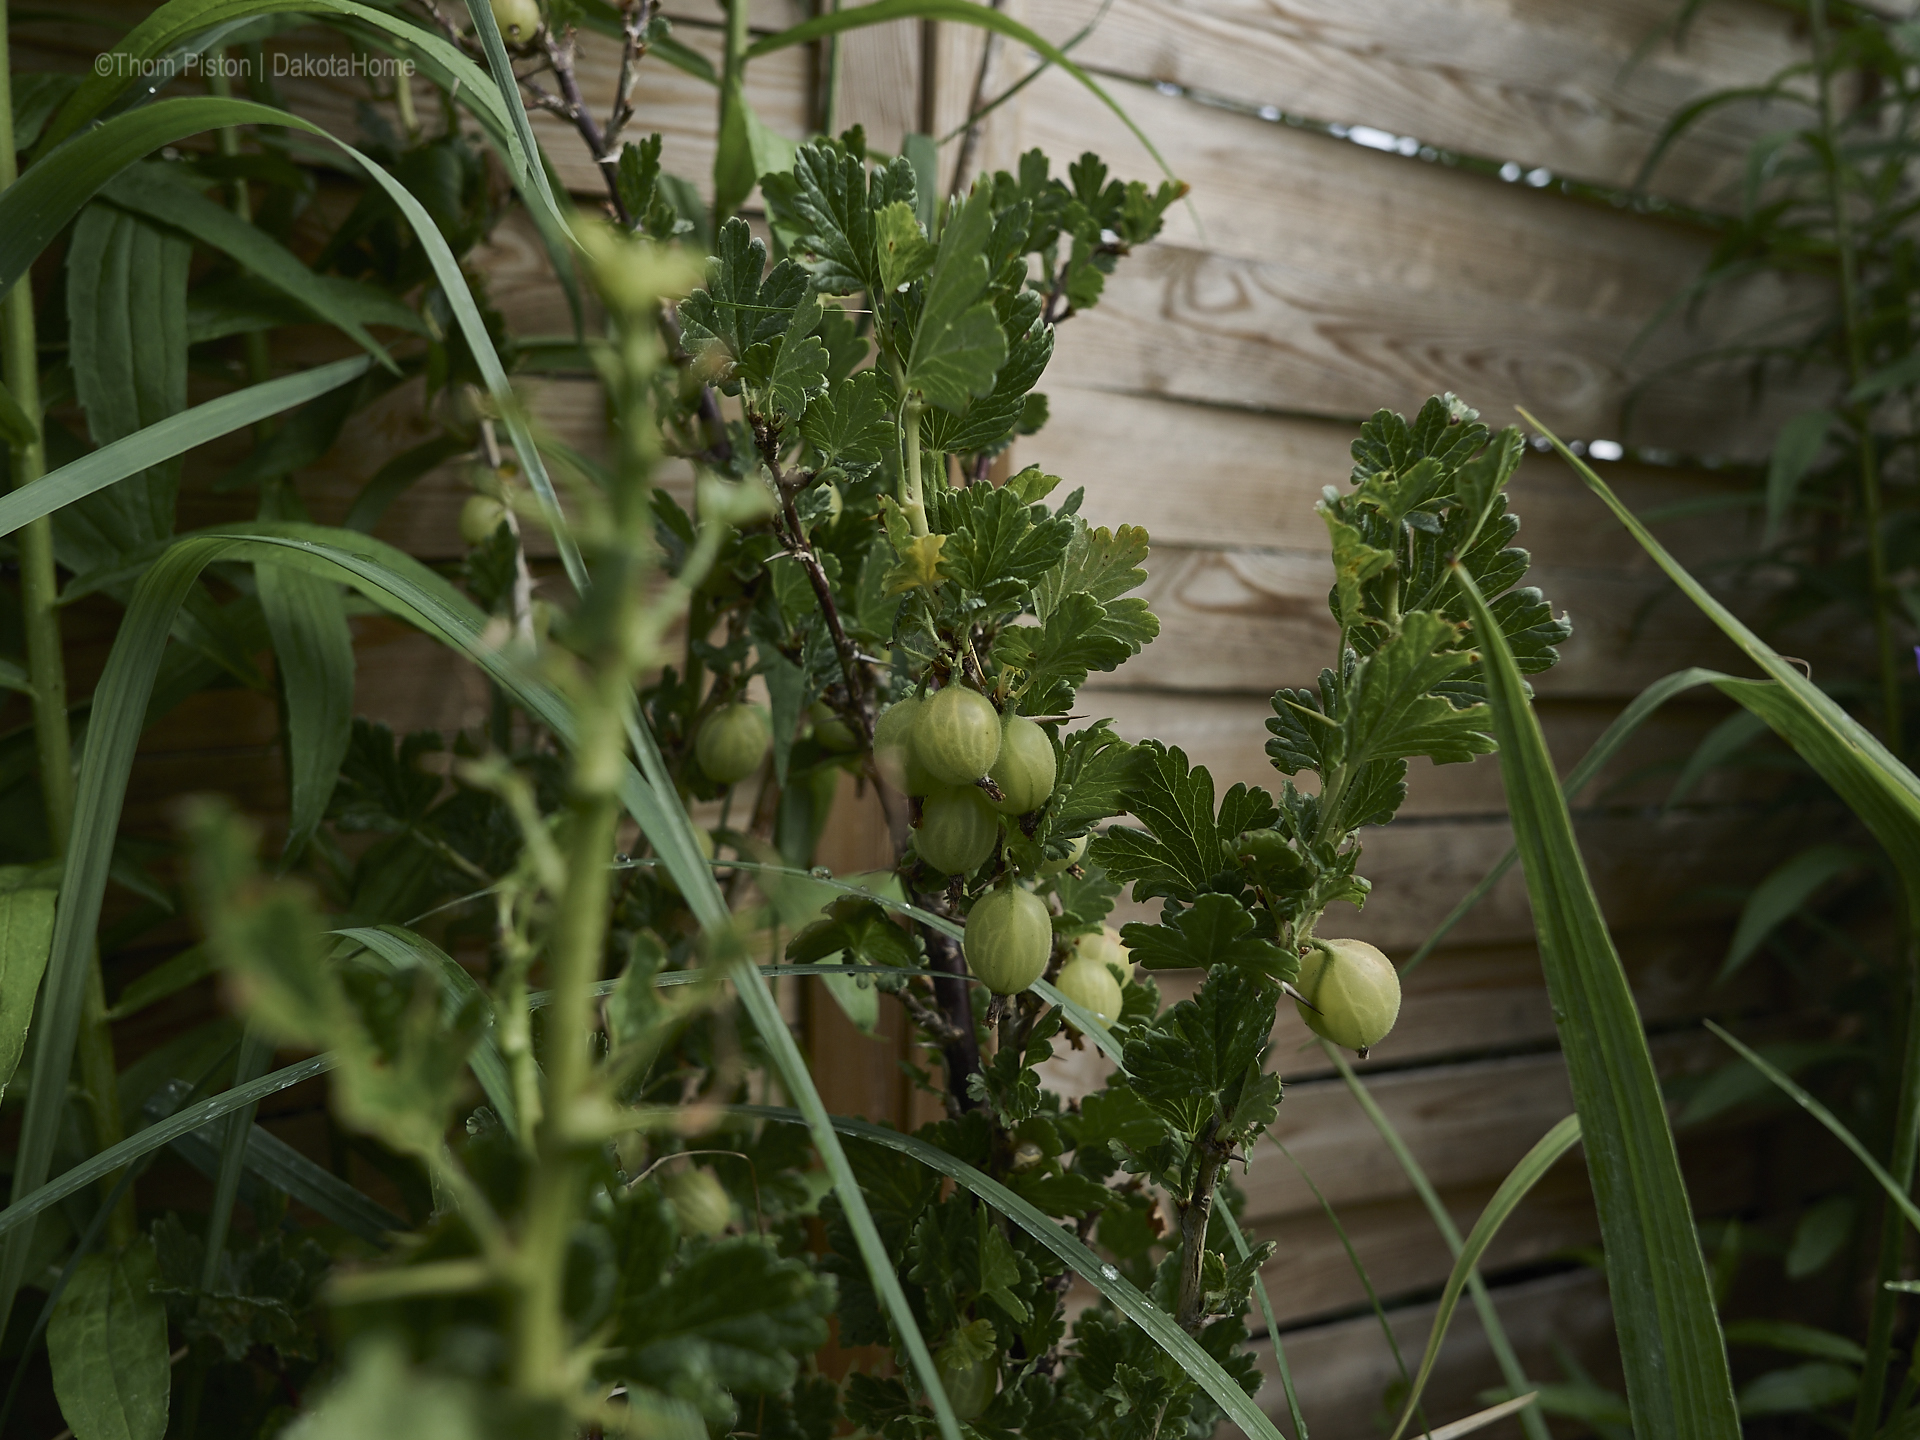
x,y
992,419
1201,1061
901,247
1095,770
859,929
1099,562
1390,711
830,204
997,546
1214,930
733,1316
852,421
793,371
958,346
739,309
1179,854
999,1270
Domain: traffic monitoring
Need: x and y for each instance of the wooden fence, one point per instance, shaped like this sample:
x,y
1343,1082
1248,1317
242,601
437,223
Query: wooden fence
x,y
1350,244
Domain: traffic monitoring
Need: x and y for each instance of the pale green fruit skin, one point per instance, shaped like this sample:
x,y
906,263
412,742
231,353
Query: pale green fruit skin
x,y
957,830
699,1201
732,743
1025,769
1092,986
970,1388
893,747
1355,991
957,735
517,19
1009,940
1076,852
829,729
479,518
1104,948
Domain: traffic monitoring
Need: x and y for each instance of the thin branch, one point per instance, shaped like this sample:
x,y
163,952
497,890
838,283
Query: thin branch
x,y
633,49
976,105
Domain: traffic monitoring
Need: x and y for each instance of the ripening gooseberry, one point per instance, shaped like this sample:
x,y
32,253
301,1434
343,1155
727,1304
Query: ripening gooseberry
x,y
956,735
732,742
1008,941
1025,768
1352,993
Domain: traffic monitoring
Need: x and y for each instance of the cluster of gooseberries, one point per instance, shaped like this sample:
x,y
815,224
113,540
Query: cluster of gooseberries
x,y
941,748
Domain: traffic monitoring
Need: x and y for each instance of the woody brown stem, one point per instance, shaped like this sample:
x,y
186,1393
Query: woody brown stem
x,y
1195,1213
793,536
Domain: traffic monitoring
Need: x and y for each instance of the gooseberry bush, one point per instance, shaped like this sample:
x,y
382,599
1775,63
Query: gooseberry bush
x,y
534,982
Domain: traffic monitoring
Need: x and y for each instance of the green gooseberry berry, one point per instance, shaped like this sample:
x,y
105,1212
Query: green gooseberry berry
x,y
1351,992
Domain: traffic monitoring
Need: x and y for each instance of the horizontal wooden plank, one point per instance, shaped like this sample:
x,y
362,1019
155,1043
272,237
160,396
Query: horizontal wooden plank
x,y
1342,1371
1228,734
1329,279
1546,84
1403,1253
1251,621
1466,1124
1214,477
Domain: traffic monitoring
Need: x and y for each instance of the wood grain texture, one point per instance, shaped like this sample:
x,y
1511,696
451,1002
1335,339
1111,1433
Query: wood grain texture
x,y
1209,475
1542,84
1329,279
1342,1370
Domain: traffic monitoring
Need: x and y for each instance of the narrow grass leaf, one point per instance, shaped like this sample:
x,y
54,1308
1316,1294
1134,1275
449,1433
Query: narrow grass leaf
x,y
403,948
284,1168
173,436
26,935
1675,1362
1241,1249
1895,1191
962,12
1790,885
1884,793
1510,1370
1159,1325
256,1053
1492,1415
1522,1178
313,653
1638,710
157,194
165,1132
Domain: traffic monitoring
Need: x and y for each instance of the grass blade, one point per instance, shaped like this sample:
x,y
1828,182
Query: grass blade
x,y
193,1118
1480,1419
256,1053
488,30
1884,793
1273,1326
278,1164
1532,1422
1895,1191
173,436
313,651
1078,1258
1591,764
1535,1163
960,12
408,950
1678,1384
152,192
